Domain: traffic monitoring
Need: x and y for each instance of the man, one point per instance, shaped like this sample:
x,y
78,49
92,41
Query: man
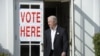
x,y
55,40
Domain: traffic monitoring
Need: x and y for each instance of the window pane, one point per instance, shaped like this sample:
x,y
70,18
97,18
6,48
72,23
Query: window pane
x,y
35,49
24,50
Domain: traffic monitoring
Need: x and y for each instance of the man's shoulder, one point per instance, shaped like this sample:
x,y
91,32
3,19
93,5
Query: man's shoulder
x,y
47,30
61,28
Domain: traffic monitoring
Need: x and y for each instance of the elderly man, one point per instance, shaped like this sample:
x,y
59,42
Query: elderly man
x,y
55,40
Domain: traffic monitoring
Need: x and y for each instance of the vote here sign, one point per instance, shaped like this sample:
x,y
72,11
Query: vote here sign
x,y
31,21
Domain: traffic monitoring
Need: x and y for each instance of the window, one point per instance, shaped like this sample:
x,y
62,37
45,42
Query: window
x,y
30,48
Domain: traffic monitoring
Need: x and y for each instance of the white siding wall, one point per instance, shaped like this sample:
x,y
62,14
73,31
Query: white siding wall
x,y
3,24
86,15
6,27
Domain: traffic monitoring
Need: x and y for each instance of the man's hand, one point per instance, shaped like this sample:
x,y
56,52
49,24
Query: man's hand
x,y
63,54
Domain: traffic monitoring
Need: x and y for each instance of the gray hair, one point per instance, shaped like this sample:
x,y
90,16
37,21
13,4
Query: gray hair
x,y
53,17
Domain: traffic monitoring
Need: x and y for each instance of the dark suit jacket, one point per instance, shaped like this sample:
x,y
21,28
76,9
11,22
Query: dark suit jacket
x,y
60,42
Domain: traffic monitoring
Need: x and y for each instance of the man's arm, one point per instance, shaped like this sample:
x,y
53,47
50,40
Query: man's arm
x,y
65,44
45,43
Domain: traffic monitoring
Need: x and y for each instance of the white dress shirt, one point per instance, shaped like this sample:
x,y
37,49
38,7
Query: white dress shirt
x,y
53,33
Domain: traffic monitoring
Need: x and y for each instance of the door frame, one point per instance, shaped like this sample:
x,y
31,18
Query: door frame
x,y
72,29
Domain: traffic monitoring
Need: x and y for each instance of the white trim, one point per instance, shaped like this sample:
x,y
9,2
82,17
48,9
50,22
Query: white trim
x,y
7,22
72,47
30,49
29,44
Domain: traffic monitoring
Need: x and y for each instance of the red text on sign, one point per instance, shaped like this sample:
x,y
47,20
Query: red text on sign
x,y
30,17
30,31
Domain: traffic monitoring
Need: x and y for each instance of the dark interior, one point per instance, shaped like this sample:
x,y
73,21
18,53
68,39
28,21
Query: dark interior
x,y
61,10
35,50
24,50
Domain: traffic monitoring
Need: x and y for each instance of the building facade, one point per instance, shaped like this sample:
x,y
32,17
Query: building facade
x,y
84,23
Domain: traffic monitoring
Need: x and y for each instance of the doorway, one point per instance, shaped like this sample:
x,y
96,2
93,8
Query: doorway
x,y
62,11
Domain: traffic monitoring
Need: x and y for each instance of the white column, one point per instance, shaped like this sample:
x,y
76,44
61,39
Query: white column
x,y
3,25
10,26
6,26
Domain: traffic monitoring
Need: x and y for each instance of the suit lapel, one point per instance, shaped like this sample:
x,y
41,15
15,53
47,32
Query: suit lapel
x,y
57,32
49,35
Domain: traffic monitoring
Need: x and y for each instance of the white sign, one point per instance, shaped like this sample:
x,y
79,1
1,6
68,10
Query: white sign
x,y
31,21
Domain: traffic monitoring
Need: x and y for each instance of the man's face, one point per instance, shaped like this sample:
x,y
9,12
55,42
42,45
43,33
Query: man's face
x,y
51,22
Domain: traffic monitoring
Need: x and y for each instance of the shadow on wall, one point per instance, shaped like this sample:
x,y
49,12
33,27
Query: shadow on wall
x,y
4,52
85,17
82,27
